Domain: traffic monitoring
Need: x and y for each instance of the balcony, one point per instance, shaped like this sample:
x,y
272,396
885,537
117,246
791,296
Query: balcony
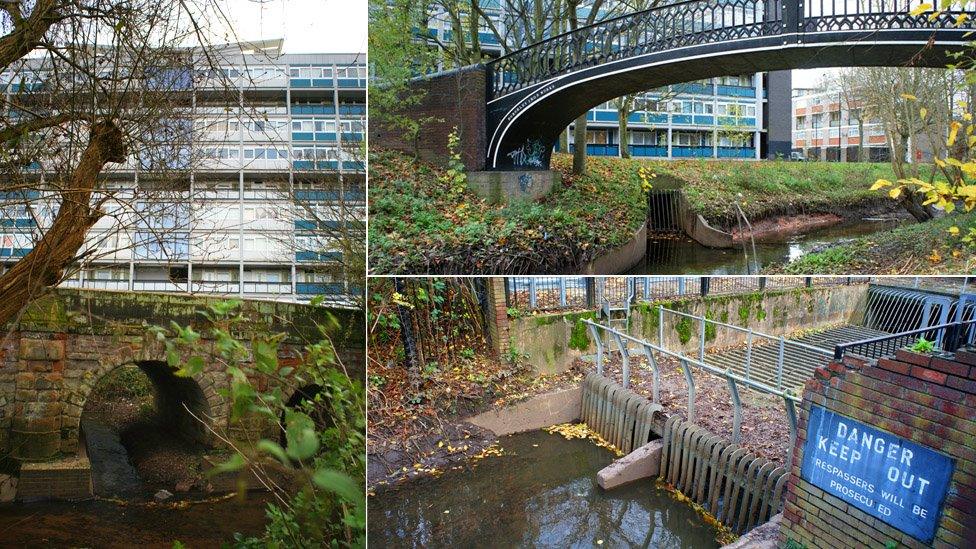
x,y
275,288
319,288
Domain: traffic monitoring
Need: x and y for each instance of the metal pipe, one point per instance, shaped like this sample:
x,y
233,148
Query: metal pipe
x,y
625,359
736,409
779,361
791,415
655,373
691,389
599,348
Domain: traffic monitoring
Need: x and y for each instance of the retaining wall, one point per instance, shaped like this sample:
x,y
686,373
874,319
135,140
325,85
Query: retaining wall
x,y
552,342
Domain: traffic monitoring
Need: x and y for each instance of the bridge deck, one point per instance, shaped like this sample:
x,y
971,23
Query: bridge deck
x,y
799,363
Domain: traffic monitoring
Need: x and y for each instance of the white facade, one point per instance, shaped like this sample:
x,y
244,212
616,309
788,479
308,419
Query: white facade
x,y
270,180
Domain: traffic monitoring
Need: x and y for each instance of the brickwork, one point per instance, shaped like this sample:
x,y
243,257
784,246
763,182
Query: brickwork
x,y
452,99
67,479
65,346
498,326
928,400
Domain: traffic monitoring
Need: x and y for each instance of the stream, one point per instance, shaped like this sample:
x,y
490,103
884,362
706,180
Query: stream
x,y
541,493
679,254
121,516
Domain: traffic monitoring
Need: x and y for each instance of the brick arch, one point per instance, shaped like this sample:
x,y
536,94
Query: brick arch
x,y
151,360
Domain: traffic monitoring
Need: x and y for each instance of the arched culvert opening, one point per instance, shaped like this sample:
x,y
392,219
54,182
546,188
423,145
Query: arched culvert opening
x,y
310,400
141,432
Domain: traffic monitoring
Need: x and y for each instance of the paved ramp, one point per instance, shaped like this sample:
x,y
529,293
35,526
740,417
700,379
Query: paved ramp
x,y
815,349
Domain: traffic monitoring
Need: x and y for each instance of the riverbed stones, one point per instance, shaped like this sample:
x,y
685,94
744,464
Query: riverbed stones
x,y
163,495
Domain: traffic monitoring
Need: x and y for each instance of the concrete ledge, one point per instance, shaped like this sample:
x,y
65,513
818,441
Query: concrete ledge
x,y
504,187
535,413
643,462
764,536
700,231
65,479
620,260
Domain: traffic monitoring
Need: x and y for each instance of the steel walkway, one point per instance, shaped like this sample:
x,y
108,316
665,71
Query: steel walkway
x,y
798,362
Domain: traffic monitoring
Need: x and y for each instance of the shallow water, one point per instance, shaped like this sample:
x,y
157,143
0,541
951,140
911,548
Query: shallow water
x,y
682,255
542,493
135,523
107,524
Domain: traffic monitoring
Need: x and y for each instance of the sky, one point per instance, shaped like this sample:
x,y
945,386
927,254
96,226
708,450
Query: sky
x,y
809,78
308,26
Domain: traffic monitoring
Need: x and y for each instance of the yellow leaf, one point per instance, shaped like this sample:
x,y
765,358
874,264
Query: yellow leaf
x,y
935,257
953,130
953,231
909,97
961,18
895,193
922,112
922,8
879,184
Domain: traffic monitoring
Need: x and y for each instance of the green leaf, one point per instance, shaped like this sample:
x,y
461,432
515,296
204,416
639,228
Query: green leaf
x,y
265,356
194,365
235,463
339,483
274,449
302,441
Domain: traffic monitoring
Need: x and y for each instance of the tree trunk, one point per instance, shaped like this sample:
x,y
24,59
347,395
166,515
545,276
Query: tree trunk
x,y
622,116
404,316
579,137
44,265
564,140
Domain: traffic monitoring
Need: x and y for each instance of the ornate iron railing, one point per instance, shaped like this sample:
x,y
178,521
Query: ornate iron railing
x,y
698,22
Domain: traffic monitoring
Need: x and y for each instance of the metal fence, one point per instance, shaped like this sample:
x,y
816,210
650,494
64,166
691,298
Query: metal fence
x,y
623,342
947,337
551,293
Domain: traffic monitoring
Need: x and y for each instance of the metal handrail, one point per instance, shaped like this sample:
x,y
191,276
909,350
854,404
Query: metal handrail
x,y
841,350
758,385
806,346
790,400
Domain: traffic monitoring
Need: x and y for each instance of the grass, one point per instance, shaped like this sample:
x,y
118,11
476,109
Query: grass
x,y
423,222
769,188
922,248
420,222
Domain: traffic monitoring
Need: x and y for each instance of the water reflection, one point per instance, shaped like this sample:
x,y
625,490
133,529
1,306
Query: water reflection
x,y
678,254
543,493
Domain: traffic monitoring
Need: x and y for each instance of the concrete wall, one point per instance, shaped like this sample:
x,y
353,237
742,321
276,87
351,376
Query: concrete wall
x,y
930,401
552,342
774,312
450,99
548,341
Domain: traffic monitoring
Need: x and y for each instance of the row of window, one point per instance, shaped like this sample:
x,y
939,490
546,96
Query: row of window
x,y
690,106
679,138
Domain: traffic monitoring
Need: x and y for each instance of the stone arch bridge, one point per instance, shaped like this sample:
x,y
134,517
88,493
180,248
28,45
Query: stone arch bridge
x,y
68,340
511,110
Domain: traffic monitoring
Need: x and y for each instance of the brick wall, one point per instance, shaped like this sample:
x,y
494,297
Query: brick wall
x,y
452,99
498,328
928,400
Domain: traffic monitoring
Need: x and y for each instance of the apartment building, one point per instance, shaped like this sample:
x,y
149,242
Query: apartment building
x,y
269,182
827,126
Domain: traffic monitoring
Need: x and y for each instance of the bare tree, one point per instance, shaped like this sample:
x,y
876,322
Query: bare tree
x,y
914,106
93,88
